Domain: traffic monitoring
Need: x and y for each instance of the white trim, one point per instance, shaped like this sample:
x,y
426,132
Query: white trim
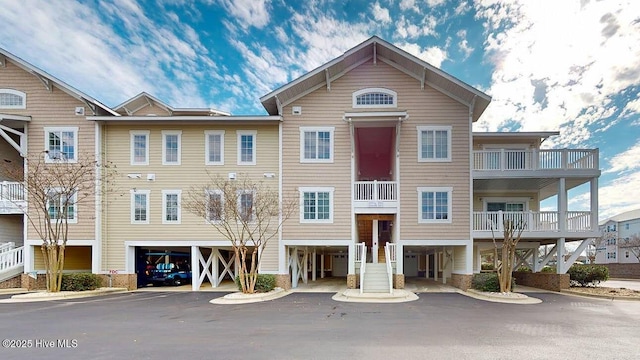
x,y
422,129
438,242
505,199
164,206
449,191
314,129
132,134
96,249
207,134
282,265
164,146
54,129
77,242
254,134
356,94
317,242
133,193
18,93
313,189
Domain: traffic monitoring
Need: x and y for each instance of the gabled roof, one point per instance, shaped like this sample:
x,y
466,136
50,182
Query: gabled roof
x,y
143,100
377,49
49,81
625,216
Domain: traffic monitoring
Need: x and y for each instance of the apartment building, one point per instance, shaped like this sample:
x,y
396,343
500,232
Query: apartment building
x,y
393,184
617,234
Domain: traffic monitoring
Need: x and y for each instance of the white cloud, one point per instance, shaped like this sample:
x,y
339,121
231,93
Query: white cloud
x,y
408,5
625,161
632,107
558,69
464,44
620,195
381,14
433,55
434,3
249,12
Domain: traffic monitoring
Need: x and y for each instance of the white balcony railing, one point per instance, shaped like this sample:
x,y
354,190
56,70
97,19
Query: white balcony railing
x,y
535,159
532,221
11,191
11,259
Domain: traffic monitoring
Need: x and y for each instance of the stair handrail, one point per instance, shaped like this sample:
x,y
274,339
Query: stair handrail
x,y
12,258
363,262
4,247
387,258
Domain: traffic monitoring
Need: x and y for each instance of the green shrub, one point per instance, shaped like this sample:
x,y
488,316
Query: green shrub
x,y
264,282
523,269
588,274
488,282
548,269
486,266
80,282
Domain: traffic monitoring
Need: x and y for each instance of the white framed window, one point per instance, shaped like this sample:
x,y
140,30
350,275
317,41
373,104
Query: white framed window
x,y
214,147
61,206
434,204
626,254
139,147
626,226
316,204
171,213
12,99
171,147
215,205
247,147
375,98
246,205
434,143
140,206
61,144
316,144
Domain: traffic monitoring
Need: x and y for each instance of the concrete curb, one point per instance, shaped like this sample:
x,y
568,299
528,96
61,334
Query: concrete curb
x,y
13,291
45,296
515,298
240,298
598,296
353,295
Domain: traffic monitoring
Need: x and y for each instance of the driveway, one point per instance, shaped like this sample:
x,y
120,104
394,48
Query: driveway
x,y
180,325
622,283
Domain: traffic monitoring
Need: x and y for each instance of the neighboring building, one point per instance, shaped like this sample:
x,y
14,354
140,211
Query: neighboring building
x,y
379,148
617,231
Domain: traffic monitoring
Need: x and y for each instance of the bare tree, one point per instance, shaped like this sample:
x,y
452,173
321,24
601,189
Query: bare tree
x,y
246,212
633,245
54,189
506,258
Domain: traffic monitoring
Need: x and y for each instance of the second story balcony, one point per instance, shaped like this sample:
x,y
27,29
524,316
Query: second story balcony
x,y
535,162
375,197
12,197
535,224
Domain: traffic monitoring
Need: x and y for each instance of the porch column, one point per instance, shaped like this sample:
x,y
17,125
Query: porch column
x,y
399,259
562,206
352,258
294,267
313,265
594,203
534,259
322,265
426,264
215,267
560,257
374,242
195,268
435,265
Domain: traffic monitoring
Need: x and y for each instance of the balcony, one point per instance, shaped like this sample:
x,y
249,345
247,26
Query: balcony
x,y
12,197
536,223
504,161
375,197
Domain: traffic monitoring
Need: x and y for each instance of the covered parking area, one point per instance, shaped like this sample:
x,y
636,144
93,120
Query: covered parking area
x,y
308,262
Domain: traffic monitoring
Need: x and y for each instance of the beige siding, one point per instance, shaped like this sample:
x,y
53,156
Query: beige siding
x,y
459,257
11,229
53,108
150,111
75,258
191,173
425,107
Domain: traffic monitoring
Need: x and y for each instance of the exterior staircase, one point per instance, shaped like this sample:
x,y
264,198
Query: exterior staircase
x,y
376,278
11,260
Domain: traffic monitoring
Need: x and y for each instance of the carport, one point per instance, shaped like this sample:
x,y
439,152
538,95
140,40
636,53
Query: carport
x,y
306,261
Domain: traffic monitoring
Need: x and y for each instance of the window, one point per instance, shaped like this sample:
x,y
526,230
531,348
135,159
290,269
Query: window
x,y
171,206
139,147
626,254
626,226
434,143
374,98
61,144
246,147
140,206
434,204
316,144
60,206
214,145
12,99
171,147
316,204
611,255
245,204
214,205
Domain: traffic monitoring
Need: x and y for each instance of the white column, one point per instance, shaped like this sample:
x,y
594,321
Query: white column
x,y
313,265
435,265
562,206
215,267
468,256
305,265
426,263
374,241
560,257
322,265
294,268
195,268
352,258
594,204
534,258
399,259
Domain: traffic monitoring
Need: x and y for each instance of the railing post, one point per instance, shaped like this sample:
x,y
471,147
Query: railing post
x,y
375,190
500,221
564,157
534,159
502,160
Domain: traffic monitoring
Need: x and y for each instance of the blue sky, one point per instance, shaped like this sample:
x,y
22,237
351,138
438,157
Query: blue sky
x,y
572,66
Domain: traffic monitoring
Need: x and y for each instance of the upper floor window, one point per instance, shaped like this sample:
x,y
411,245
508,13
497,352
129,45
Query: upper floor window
x,y
171,206
140,206
247,147
626,226
12,99
316,205
171,144
375,98
434,204
434,143
316,144
61,206
61,143
214,147
139,147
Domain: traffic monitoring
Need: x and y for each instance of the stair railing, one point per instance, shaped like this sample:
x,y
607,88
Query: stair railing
x,y
389,256
12,258
361,255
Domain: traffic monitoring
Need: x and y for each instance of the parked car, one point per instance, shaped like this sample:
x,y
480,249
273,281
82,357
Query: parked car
x,y
176,272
